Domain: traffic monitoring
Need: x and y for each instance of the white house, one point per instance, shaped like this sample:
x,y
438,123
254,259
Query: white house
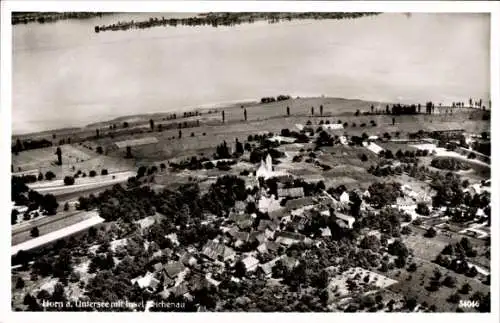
x,y
250,263
344,198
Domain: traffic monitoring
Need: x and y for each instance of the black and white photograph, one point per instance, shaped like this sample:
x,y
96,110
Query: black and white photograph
x,y
288,159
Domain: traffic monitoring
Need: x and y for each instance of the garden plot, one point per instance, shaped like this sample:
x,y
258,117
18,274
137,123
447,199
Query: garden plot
x,y
338,286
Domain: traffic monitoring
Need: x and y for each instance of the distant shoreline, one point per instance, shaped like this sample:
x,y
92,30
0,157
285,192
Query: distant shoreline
x,y
229,19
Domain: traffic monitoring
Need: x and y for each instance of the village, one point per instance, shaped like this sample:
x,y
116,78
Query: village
x,y
320,216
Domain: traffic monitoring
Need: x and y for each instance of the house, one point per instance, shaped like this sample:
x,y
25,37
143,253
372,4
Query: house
x,y
267,224
145,281
332,126
250,263
347,220
153,285
344,198
259,236
173,237
187,259
167,281
289,262
157,267
293,192
262,248
214,250
181,289
239,206
272,246
173,269
343,140
326,232
267,267
298,203
289,238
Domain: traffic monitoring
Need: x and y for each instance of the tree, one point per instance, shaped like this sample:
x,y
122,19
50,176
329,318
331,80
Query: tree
x,y
454,298
129,152
20,283
465,289
370,242
13,219
92,173
288,111
239,269
180,134
99,150
34,232
312,111
66,207
245,114
59,156
412,267
364,158
321,110
50,175
69,180
104,172
422,209
223,116
450,281
40,177
431,233
152,124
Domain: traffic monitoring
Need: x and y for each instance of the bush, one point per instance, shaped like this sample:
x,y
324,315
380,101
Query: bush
x,y
69,180
34,232
423,209
450,281
50,176
92,173
448,164
104,172
364,158
431,233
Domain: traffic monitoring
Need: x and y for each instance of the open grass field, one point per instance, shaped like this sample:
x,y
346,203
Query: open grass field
x,y
47,225
413,284
74,157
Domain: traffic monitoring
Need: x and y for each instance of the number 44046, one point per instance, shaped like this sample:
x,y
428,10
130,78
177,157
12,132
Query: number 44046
x,y
468,304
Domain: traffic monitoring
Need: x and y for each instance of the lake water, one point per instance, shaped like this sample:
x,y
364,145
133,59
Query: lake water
x,y
66,75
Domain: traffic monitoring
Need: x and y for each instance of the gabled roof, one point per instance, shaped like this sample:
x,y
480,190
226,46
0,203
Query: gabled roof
x,y
256,235
250,262
263,224
298,203
267,267
153,284
271,245
180,289
213,250
158,266
289,262
173,269
293,192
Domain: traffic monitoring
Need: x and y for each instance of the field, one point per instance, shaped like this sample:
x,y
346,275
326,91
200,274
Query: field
x,y
74,157
413,285
50,224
